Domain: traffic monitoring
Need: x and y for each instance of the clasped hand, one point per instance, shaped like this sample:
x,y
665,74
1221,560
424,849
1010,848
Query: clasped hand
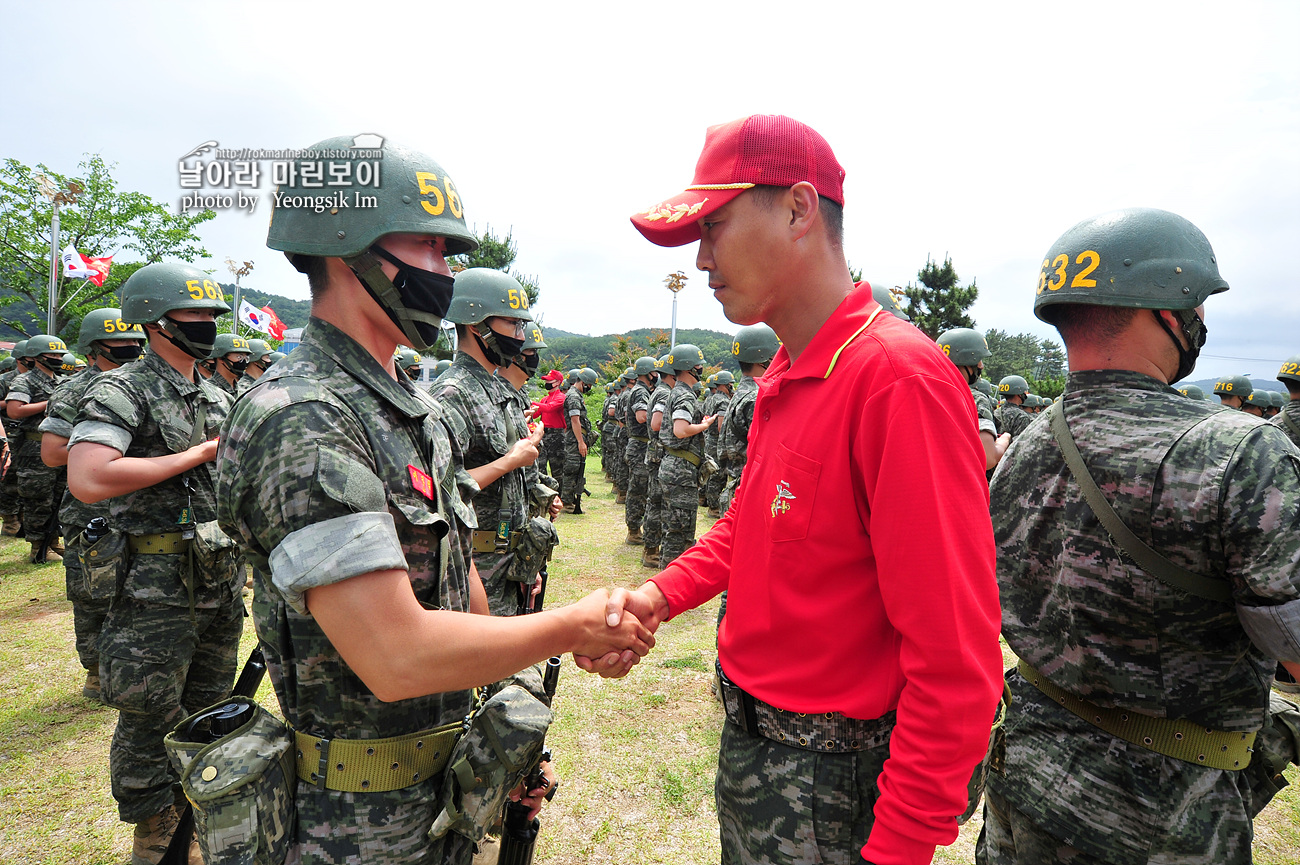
x,y
646,605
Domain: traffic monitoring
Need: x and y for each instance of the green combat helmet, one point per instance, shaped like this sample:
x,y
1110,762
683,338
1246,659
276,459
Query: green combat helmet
x,y
228,343
1138,258
257,349
69,365
609,388
886,299
1280,399
107,323
414,196
588,377
965,347
407,359
157,289
8,364
533,337
440,367
1013,385
643,366
724,377
984,386
1234,385
19,351
1260,399
755,343
482,292
43,344
1191,391
278,356
686,356
1290,370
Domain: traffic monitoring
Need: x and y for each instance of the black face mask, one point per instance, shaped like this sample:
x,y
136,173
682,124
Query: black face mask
x,y
235,366
497,347
972,375
413,373
1195,331
51,365
195,338
422,298
120,354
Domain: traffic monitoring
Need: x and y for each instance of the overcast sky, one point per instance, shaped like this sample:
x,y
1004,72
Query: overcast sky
x,y
979,131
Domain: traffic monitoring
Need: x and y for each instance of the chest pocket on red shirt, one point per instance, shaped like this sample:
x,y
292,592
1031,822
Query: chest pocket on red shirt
x,y
790,498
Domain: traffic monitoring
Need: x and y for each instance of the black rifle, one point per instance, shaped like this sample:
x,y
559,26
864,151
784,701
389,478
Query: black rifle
x,y
529,604
222,720
51,530
518,833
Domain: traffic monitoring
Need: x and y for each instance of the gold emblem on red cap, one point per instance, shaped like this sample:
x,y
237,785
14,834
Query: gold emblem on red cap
x,y
674,213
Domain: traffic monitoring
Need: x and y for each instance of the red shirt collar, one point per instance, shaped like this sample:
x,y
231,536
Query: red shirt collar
x,y
819,358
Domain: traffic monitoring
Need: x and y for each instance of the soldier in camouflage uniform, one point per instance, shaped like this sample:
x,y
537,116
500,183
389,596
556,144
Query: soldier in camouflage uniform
x,y
1289,418
1011,418
40,486
573,482
229,358
638,437
617,446
144,440
967,348
652,532
753,347
724,382
1140,688
606,427
259,360
490,310
109,342
681,432
340,480
10,503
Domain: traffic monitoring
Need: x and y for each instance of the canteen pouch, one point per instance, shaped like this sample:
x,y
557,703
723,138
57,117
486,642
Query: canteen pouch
x,y
501,746
707,469
1276,747
104,565
241,788
994,758
533,549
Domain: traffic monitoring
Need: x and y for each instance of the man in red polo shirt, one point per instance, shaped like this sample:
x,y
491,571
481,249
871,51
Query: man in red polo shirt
x,y
551,461
859,654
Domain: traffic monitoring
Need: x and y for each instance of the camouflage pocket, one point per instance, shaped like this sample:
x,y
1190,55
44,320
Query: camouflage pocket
x,y
502,745
103,565
1276,747
536,541
134,684
241,787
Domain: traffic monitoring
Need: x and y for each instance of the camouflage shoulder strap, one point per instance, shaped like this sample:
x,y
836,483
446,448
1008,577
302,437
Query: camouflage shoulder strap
x,y
1291,425
1147,559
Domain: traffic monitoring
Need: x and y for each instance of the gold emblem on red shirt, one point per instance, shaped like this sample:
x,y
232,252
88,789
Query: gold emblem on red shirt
x,y
781,503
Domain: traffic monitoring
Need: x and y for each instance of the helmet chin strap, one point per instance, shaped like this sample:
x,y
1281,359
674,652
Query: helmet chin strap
x,y
1195,338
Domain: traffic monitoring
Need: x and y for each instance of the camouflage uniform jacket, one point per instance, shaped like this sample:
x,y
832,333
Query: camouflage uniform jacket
x,y
575,407
1217,492
682,405
540,487
232,388
30,387
316,484
716,406
1013,419
473,405
1289,420
654,452
60,415
984,409
733,438
638,400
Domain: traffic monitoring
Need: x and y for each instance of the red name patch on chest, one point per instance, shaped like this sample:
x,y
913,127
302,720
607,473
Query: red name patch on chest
x,y
422,482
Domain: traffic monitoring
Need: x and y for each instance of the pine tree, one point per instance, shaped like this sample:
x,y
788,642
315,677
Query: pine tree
x,y
939,303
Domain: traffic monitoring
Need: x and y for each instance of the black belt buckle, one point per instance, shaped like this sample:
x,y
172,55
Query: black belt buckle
x,y
322,770
745,715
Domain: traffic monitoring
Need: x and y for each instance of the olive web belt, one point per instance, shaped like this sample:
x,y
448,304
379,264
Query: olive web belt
x,y
486,542
374,765
826,732
1173,737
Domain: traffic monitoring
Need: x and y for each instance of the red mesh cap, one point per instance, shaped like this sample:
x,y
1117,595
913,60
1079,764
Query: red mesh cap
x,y
759,150
553,375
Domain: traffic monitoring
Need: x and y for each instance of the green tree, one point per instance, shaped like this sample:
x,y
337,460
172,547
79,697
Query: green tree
x,y
938,303
101,220
1040,361
498,253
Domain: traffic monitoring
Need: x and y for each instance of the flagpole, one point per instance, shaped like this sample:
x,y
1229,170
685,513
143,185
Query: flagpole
x,y
238,270
80,288
54,272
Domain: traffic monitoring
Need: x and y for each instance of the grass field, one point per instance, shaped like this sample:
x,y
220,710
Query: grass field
x,y
636,757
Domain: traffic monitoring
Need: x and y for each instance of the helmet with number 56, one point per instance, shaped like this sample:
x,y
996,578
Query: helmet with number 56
x,y
157,289
107,323
404,192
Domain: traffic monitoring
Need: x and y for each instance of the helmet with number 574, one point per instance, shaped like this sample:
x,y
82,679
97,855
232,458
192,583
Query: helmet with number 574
x,y
1140,258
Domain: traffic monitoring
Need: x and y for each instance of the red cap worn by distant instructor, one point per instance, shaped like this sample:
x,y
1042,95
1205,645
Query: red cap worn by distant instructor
x,y
759,150
553,375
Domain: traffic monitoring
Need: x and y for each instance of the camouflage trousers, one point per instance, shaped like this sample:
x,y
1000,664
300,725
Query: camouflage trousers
x,y
681,492
616,446
9,501
1011,837
502,593
727,493
638,483
87,613
653,531
778,804
574,477
336,828
607,430
713,489
158,664
551,462
41,489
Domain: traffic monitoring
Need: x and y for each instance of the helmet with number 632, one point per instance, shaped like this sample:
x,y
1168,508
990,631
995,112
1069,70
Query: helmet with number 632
x,y
1290,370
964,346
1139,257
106,323
755,343
410,193
1013,385
1234,385
483,292
157,289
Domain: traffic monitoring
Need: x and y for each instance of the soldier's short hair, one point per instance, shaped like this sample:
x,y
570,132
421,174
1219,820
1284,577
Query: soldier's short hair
x,y
832,212
1078,322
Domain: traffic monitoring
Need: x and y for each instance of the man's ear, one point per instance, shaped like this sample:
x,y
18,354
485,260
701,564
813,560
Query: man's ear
x,y
802,199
